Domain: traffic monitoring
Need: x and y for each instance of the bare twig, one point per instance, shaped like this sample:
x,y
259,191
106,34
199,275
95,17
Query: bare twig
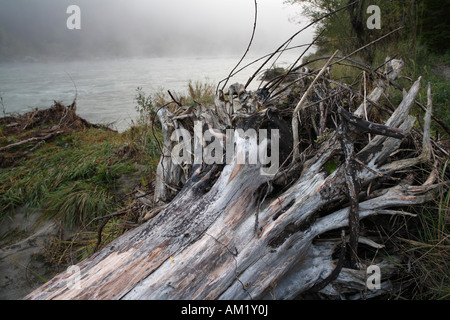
x,y
335,273
280,50
248,47
279,81
362,126
353,188
48,136
3,105
173,98
301,102
369,44
76,89
365,101
293,36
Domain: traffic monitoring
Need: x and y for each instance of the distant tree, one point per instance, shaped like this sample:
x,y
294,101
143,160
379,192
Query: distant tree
x,y
356,13
344,25
435,25
423,21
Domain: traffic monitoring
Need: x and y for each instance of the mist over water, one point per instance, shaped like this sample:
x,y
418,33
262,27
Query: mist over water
x,y
106,89
37,30
123,45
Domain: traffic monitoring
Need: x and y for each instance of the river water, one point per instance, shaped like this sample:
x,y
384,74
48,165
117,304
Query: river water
x,y
107,88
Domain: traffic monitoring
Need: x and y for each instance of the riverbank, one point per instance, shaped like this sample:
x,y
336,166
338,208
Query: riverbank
x,y
76,179
68,187
58,173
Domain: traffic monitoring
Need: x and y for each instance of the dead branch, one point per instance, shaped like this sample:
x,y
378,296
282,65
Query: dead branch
x,y
205,240
33,139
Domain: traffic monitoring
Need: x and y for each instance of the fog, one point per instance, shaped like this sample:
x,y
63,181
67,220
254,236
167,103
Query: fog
x,y
37,30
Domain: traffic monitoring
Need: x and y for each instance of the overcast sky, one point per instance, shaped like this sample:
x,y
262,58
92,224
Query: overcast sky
x,y
118,28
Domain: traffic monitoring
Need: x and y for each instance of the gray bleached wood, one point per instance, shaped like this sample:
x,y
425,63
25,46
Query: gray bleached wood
x,y
203,245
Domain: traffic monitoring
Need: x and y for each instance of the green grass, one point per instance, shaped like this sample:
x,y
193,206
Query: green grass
x,y
418,62
147,134
427,247
421,63
77,203
72,178
199,92
429,254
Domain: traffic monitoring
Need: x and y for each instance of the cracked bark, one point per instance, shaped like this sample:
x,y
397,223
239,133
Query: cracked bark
x,y
202,245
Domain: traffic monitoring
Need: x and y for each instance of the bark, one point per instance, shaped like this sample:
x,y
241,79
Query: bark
x,y
234,233
168,173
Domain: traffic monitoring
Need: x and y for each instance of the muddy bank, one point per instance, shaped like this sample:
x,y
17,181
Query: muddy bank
x,y
25,238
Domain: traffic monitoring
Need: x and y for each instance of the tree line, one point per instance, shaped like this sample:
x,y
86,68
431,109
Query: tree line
x,y
424,23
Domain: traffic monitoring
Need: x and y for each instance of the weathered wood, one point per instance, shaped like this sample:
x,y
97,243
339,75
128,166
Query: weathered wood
x,y
168,172
203,244
353,188
33,139
301,103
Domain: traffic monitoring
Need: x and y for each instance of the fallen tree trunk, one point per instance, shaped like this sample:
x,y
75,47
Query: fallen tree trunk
x,y
245,230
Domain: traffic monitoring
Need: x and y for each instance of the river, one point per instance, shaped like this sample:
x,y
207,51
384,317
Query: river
x,y
106,88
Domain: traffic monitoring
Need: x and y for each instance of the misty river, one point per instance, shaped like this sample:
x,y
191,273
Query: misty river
x,y
107,88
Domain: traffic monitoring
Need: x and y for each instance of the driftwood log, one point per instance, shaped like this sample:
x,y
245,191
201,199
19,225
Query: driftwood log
x,y
235,229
